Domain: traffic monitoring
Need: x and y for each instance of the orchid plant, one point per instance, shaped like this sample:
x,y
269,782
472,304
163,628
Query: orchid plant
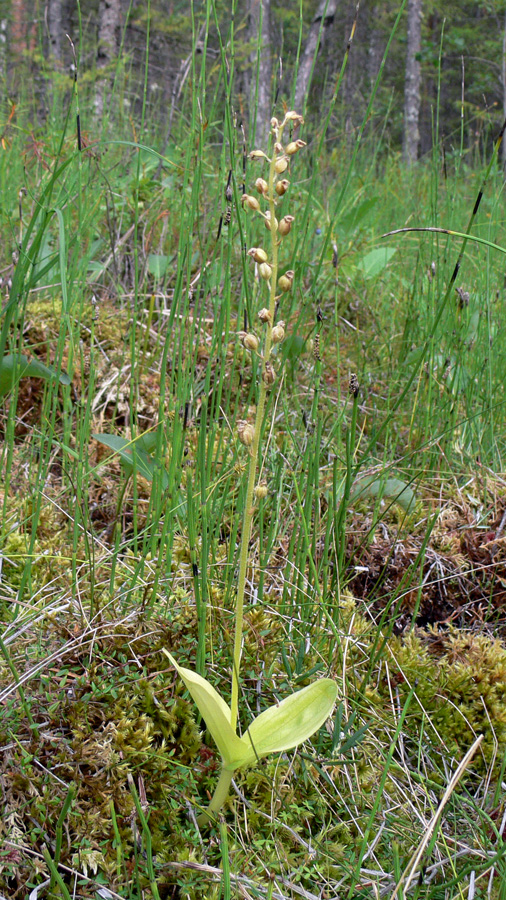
x,y
297,717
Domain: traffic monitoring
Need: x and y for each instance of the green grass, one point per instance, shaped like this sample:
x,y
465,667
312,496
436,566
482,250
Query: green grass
x,y
376,557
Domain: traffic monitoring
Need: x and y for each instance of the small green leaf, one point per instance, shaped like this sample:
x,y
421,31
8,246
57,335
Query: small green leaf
x,y
216,713
376,260
157,264
290,723
393,488
16,365
353,218
414,357
293,347
131,454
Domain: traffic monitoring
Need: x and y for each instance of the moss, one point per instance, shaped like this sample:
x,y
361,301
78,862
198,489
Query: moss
x,y
47,563
43,318
459,694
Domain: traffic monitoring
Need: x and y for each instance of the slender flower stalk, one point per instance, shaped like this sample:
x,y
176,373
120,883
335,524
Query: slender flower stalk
x,y
249,509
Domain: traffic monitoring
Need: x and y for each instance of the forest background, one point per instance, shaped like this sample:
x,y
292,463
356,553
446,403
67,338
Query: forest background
x,y
450,57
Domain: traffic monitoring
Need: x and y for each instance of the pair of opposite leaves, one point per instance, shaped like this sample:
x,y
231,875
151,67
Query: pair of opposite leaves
x,y
278,728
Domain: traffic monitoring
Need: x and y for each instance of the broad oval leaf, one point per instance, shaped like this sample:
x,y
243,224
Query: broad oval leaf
x,y
132,454
393,488
216,713
353,218
376,260
16,365
290,723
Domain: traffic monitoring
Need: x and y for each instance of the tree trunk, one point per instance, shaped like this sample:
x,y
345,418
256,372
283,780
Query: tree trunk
x,y
503,73
322,21
3,54
375,50
17,37
54,14
261,82
109,18
351,83
411,136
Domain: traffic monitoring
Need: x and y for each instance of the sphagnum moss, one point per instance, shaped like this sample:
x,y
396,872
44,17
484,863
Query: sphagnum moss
x,y
296,718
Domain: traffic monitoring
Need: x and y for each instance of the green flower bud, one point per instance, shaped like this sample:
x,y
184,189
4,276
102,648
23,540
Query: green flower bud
x,y
285,225
261,186
278,333
285,281
281,165
294,147
261,490
265,271
250,341
282,187
250,202
264,315
259,255
245,433
268,224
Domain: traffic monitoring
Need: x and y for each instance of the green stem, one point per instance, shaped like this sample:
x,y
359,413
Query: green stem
x,y
147,838
6,655
249,508
55,875
225,861
220,795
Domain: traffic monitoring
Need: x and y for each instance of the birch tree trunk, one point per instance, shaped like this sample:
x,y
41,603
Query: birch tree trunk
x,y
351,83
411,137
261,82
375,46
109,18
54,14
3,54
320,25
503,78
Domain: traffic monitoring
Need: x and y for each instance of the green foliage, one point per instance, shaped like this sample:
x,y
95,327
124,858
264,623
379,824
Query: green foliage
x,y
136,455
13,367
278,728
374,262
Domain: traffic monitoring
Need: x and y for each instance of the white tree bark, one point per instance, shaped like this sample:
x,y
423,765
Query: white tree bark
x,y
374,52
261,82
322,21
3,53
503,76
109,19
54,18
411,137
